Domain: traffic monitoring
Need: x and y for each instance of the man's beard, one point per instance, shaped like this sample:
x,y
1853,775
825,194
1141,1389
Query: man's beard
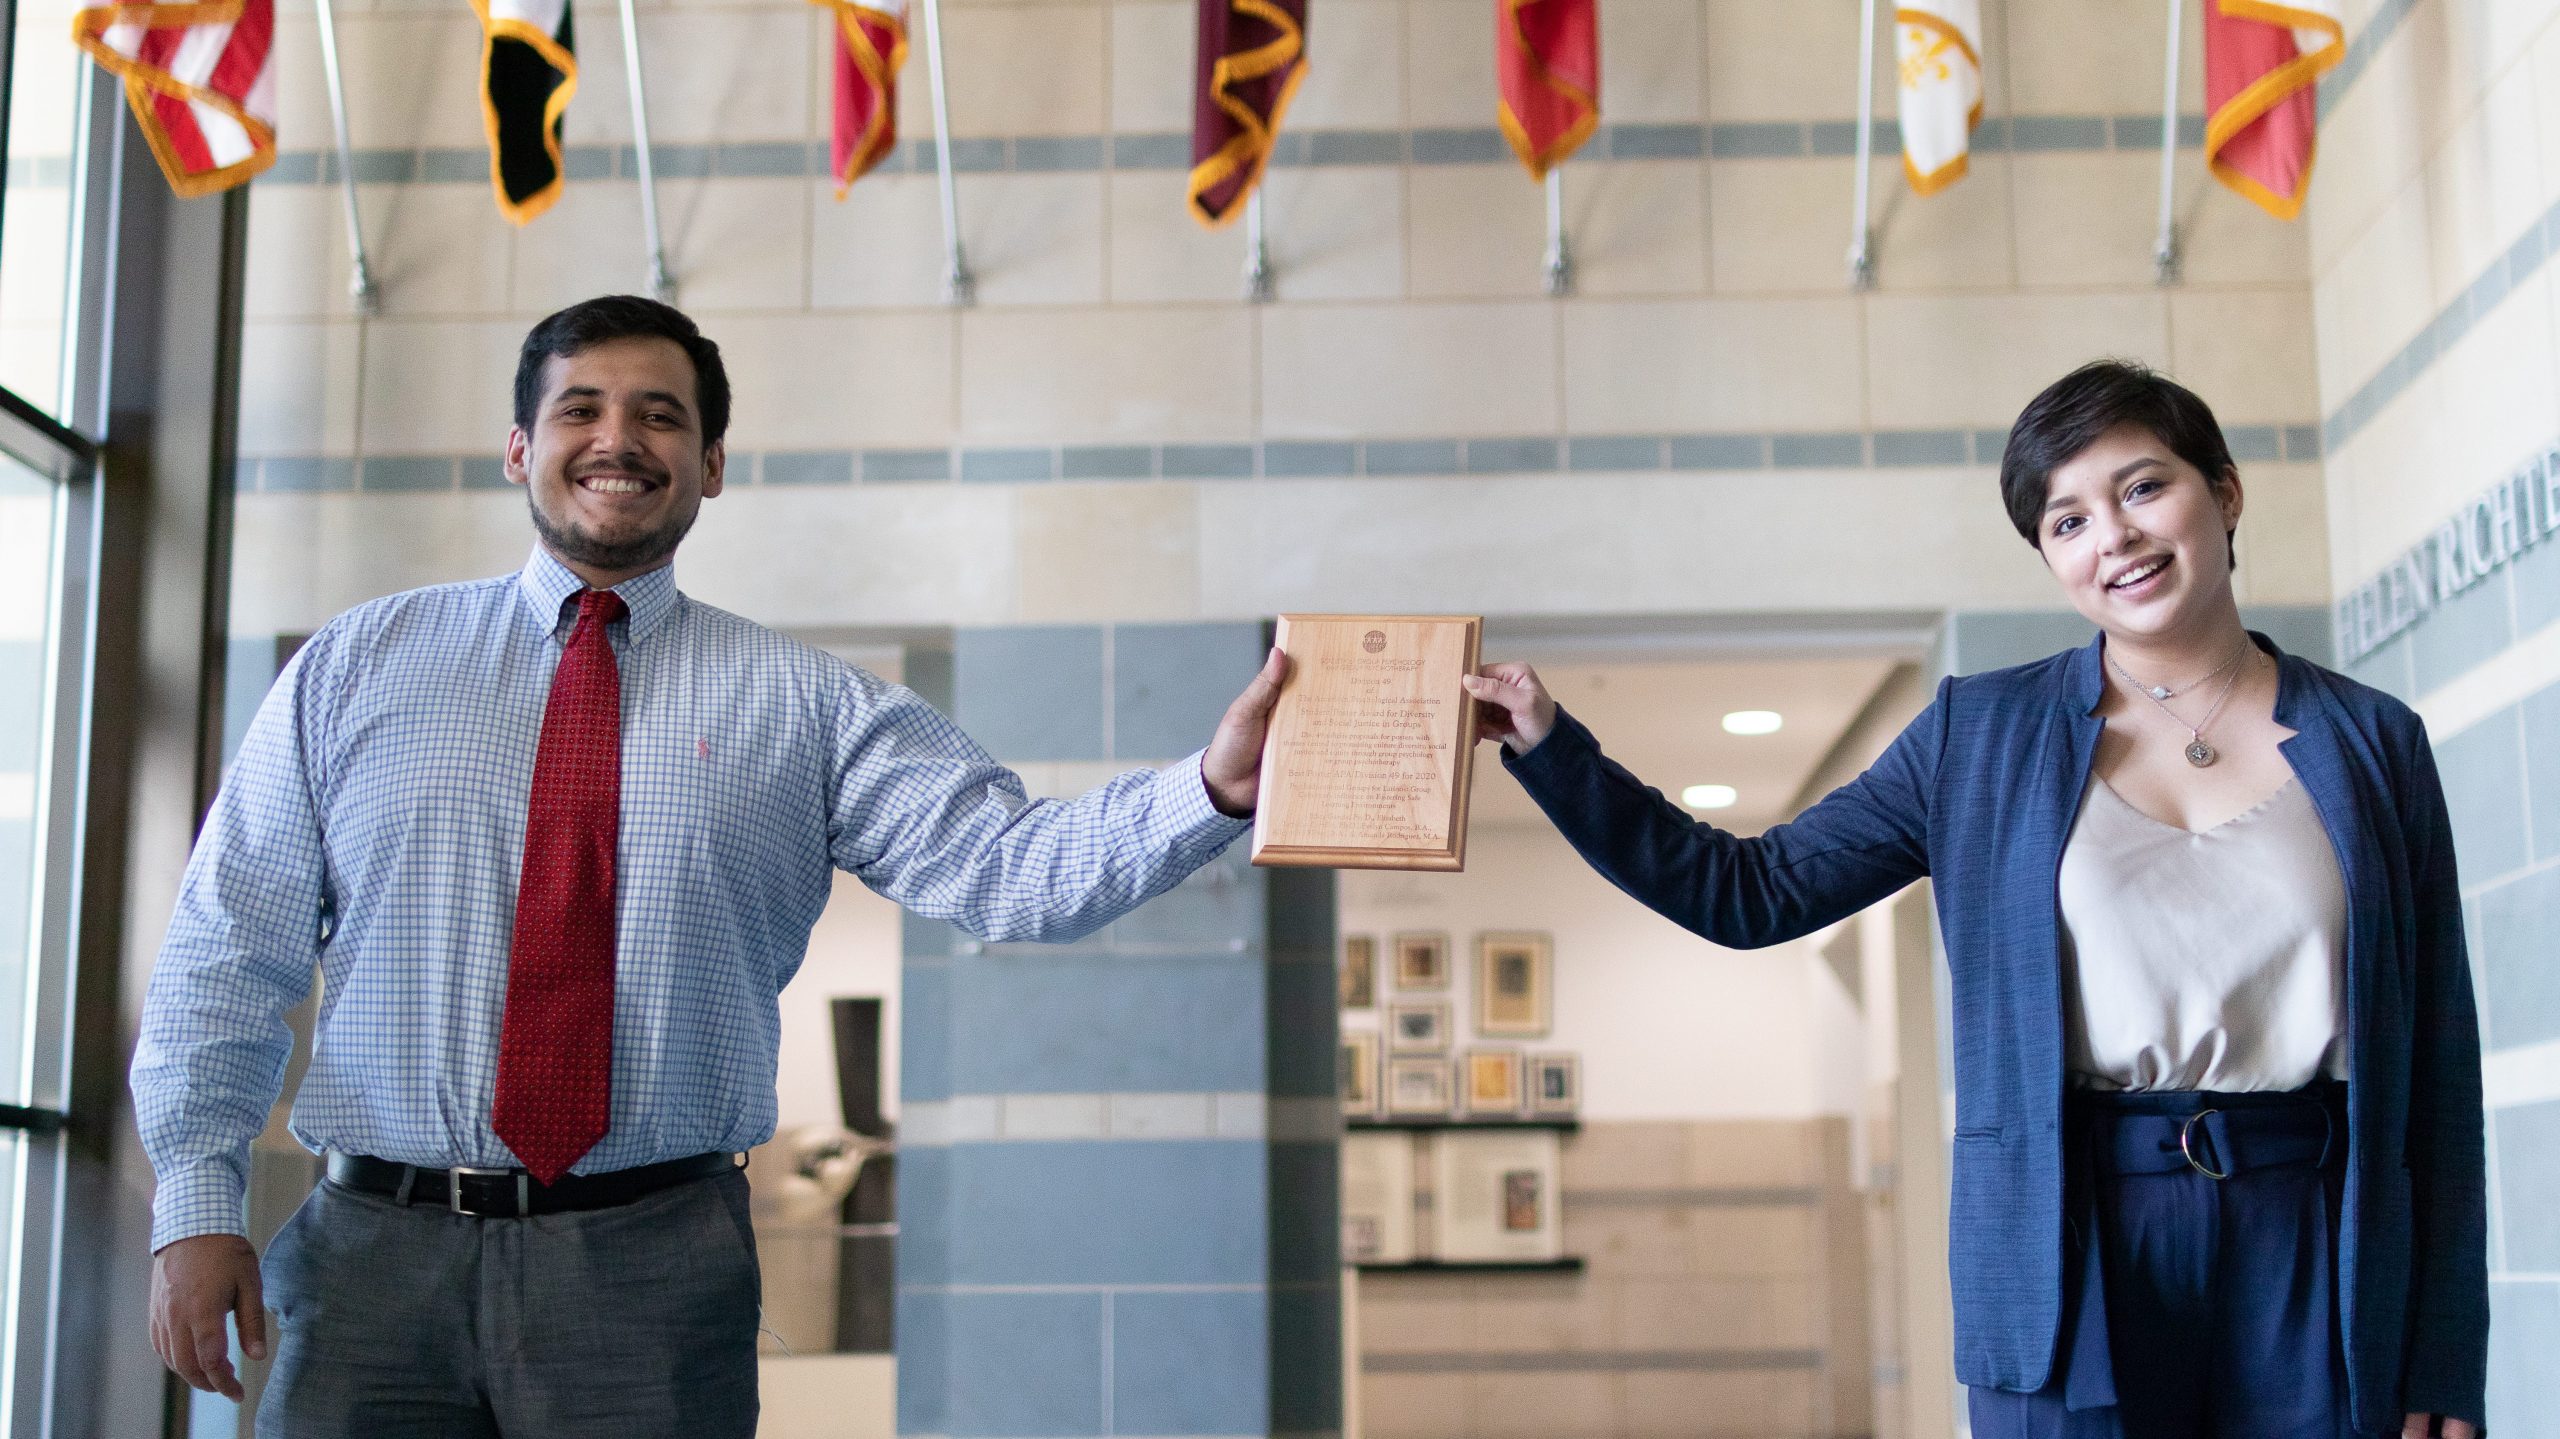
x,y
640,552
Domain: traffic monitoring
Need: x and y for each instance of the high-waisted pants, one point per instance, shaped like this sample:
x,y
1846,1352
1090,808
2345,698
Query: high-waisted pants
x,y
2200,1272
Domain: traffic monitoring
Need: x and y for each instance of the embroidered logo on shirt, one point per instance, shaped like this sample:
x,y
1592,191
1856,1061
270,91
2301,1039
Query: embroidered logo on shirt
x,y
701,749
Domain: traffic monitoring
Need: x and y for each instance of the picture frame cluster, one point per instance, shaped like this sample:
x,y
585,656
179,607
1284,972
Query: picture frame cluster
x,y
1411,1066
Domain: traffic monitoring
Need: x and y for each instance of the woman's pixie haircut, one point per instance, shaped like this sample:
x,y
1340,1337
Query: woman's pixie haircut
x,y
2081,406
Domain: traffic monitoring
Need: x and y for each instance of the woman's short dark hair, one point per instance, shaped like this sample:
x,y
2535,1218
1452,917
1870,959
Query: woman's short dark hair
x,y
2081,406
589,323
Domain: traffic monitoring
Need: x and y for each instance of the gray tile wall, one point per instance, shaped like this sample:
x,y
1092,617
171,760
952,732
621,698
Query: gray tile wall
x,y
2502,786
1108,1257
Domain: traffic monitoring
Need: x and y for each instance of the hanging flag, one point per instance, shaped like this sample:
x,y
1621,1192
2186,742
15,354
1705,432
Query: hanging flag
x,y
1547,58
1939,46
1252,56
871,46
2261,110
528,71
201,79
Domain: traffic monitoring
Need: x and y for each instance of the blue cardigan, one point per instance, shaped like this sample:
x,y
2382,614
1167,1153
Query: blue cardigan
x,y
1979,794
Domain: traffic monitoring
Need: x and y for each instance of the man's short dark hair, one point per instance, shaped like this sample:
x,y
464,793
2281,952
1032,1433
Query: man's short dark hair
x,y
2081,406
589,323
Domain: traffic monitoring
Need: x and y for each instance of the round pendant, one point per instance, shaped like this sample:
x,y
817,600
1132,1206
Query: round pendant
x,y
2159,692
2201,754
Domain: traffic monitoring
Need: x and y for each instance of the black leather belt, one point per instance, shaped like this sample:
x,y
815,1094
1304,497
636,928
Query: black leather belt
x,y
512,1193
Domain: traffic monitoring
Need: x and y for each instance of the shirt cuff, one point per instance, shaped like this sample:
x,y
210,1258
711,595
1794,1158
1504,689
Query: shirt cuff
x,y
205,1197
1190,812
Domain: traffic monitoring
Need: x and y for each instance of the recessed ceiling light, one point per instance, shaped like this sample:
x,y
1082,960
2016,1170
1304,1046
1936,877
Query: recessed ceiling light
x,y
1753,722
1709,796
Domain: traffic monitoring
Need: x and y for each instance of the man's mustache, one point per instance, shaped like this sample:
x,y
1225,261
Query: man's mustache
x,y
645,469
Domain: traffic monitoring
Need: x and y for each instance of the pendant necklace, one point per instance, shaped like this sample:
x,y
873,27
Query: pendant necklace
x,y
2198,752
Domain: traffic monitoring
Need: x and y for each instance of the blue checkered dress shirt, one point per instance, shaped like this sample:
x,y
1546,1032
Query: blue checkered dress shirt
x,y
372,827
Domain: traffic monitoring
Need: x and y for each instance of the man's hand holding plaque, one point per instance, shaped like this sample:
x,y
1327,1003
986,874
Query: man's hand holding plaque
x,y
1371,747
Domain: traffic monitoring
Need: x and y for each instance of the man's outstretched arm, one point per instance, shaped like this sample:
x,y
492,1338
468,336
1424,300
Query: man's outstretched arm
x,y
924,816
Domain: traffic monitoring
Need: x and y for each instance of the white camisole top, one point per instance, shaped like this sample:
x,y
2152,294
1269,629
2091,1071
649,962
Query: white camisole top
x,y
2213,960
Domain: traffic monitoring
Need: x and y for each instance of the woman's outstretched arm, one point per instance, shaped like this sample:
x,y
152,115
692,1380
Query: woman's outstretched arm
x,y
1861,843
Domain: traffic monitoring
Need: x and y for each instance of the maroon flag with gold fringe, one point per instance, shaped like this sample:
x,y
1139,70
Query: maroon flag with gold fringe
x,y
1253,53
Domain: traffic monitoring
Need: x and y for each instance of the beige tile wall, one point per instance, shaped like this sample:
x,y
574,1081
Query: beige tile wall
x,y
2445,150
1717,1253
1409,301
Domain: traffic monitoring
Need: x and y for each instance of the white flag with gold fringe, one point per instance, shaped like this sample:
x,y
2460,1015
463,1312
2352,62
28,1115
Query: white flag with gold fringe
x,y
1939,45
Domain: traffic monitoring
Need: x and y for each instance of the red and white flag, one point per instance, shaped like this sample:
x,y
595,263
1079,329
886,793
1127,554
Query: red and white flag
x,y
2261,63
871,46
201,78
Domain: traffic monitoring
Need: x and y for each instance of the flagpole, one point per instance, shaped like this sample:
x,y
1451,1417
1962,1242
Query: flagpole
x,y
1559,252
1862,269
2164,244
360,283
959,287
1257,254
661,284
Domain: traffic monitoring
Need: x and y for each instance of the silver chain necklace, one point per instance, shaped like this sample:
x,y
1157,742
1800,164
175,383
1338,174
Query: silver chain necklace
x,y
2164,692
2198,752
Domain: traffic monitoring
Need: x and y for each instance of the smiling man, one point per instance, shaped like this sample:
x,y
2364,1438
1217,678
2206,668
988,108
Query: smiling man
x,y
553,843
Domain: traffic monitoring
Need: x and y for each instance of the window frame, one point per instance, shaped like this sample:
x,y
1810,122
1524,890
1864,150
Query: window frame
x,y
33,1265
70,456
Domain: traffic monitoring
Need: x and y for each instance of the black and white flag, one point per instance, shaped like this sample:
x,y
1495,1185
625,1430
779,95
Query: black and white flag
x,y
528,71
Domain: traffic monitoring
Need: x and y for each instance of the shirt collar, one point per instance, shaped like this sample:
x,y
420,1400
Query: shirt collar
x,y
548,585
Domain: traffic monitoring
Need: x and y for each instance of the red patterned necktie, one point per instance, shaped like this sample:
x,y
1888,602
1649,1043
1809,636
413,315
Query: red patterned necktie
x,y
555,1054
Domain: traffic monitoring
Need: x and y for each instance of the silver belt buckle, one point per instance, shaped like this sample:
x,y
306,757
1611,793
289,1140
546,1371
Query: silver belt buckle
x,y
2184,1147
453,1190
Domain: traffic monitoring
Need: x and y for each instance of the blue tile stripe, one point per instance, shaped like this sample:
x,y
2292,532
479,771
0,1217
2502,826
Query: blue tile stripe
x,y
1270,460
1083,154
2361,48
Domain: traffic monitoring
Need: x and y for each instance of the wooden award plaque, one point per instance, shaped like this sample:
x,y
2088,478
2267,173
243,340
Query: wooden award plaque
x,y
1367,762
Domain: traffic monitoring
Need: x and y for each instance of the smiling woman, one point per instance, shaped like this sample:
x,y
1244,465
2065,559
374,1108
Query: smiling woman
x,y
2223,985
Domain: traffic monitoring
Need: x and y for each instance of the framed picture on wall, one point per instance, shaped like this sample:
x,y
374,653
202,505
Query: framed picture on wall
x,y
1490,1082
1418,1086
1359,971
1494,1195
1555,1084
1357,1077
1418,1027
1422,961
1515,984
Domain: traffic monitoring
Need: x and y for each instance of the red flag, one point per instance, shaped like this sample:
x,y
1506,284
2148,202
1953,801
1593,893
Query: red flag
x,y
201,80
1252,56
1547,55
871,46
2261,62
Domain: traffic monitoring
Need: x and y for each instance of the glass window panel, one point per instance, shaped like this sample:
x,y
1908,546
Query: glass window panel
x,y
28,585
45,75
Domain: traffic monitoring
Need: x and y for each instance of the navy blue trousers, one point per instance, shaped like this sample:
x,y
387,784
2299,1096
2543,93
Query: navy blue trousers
x,y
2196,1306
